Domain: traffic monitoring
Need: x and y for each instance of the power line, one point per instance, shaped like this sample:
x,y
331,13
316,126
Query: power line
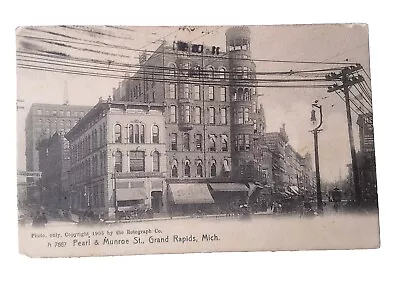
x,y
210,56
129,66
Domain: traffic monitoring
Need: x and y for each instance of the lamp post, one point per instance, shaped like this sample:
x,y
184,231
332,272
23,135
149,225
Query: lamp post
x,y
315,131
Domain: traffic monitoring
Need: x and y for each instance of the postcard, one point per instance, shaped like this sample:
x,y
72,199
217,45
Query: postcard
x,y
179,139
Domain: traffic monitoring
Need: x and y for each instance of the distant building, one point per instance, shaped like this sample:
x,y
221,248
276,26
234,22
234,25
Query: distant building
x,y
118,159
54,163
43,121
366,158
289,168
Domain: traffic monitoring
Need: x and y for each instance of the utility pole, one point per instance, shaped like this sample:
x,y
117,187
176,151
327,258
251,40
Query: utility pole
x,y
315,131
357,188
347,82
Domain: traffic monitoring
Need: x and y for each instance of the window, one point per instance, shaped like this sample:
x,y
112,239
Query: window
x,y
136,133
247,142
240,142
142,140
213,168
197,92
186,91
76,113
155,134
254,106
174,145
39,112
186,141
172,91
198,142
61,112
187,113
222,73
68,113
117,133
136,161
246,115
255,126
212,143
246,94
173,114
223,116
199,169
223,94
47,112
174,169
54,113
82,114
130,134
197,115
156,161
210,92
118,161
240,116
187,168
172,70
224,142
212,115
210,72
240,94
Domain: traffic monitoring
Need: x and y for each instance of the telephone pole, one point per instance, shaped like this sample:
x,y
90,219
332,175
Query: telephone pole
x,y
315,131
347,82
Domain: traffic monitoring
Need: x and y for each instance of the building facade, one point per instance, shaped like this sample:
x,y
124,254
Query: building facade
x,y
212,112
118,159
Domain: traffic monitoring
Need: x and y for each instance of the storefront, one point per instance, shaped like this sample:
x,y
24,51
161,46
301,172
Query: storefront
x,y
229,197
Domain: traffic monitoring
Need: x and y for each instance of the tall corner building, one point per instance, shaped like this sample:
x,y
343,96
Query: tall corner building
x,y
212,117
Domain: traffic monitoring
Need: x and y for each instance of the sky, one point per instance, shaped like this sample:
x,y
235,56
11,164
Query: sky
x,y
328,43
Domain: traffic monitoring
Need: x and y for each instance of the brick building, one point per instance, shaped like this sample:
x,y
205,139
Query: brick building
x,y
118,159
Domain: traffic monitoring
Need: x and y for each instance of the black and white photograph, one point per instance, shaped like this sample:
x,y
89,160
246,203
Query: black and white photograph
x,y
177,139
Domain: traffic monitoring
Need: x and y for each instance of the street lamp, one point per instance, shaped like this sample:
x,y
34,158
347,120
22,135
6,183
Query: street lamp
x,y
315,131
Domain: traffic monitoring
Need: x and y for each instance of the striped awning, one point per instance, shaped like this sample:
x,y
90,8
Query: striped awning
x,y
183,193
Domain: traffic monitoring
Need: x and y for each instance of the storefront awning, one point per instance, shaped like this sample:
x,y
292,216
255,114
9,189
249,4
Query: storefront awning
x,y
229,187
131,194
190,194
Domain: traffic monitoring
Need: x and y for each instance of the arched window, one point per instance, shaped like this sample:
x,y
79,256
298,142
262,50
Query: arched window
x,y
136,133
246,94
210,72
142,140
131,138
213,168
156,161
197,115
224,140
117,133
222,73
199,169
118,161
155,134
240,94
212,143
187,168
172,69
174,170
186,142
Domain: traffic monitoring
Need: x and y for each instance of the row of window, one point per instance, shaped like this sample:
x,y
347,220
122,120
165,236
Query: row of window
x,y
198,168
193,92
54,112
136,133
191,114
241,115
196,144
239,44
188,70
89,143
242,142
89,197
90,168
137,161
